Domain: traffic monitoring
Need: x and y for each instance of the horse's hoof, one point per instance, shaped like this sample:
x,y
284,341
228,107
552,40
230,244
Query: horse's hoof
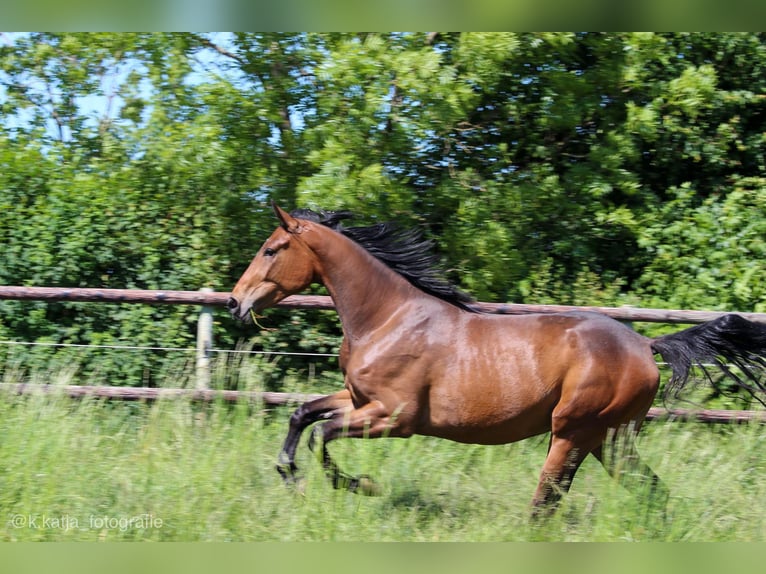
x,y
367,487
292,481
299,484
362,484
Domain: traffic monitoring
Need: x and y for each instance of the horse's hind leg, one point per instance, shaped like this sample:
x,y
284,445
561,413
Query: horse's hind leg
x,y
565,454
622,461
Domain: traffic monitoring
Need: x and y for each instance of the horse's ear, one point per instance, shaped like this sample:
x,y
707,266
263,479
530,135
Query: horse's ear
x,y
287,221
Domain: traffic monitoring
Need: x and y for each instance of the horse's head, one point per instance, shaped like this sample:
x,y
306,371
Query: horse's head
x,y
283,265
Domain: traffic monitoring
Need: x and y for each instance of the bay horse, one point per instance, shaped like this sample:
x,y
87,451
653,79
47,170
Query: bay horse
x,y
417,358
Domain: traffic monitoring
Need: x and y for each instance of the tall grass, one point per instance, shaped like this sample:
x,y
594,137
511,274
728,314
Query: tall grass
x,y
173,470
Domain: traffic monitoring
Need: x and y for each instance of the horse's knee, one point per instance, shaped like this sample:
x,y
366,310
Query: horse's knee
x,y
299,417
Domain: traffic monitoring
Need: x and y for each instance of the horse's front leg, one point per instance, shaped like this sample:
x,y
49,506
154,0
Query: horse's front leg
x,y
334,405
372,420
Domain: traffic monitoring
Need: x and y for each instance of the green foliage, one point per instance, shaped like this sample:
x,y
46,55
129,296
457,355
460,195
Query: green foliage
x,y
616,168
708,258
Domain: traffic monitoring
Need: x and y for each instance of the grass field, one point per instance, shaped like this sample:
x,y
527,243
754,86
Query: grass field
x,y
176,471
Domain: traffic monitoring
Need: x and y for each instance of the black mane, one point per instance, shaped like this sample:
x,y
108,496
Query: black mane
x,y
403,250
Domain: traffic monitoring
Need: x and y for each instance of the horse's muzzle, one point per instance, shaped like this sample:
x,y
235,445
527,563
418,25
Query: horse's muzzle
x,y
233,306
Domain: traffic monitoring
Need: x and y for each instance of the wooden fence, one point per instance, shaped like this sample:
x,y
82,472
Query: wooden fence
x,y
207,299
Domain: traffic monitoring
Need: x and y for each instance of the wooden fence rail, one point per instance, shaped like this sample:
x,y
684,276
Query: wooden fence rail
x,y
215,299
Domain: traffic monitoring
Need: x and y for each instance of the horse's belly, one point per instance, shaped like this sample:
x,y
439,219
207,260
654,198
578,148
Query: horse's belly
x,y
490,416
504,432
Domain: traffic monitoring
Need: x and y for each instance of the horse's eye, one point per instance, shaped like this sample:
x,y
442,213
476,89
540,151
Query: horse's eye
x,y
269,252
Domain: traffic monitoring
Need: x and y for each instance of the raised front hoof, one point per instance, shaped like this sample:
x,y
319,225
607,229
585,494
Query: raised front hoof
x,y
362,484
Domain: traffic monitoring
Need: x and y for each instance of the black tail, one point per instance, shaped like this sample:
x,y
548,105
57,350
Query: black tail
x,y
728,341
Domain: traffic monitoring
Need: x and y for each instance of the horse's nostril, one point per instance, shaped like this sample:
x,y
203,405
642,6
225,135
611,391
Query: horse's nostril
x,y
232,304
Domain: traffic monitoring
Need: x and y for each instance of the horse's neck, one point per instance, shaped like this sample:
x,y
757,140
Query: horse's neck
x,y
365,291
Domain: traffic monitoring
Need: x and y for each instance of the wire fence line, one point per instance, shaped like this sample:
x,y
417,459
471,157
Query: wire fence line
x,y
191,350
211,351
171,349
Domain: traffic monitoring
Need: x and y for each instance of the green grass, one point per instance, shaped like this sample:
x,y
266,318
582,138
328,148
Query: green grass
x,y
172,470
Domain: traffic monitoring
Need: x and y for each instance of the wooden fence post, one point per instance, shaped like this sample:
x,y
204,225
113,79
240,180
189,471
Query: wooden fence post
x,y
204,343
